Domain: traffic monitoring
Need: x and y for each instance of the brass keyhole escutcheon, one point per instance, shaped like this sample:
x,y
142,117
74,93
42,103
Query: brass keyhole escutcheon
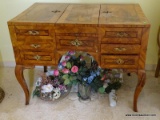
x,y
76,42
33,32
122,34
37,57
120,61
35,45
120,49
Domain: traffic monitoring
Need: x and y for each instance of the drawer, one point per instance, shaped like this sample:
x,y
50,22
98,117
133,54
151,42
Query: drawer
x,y
121,35
38,46
76,31
36,32
119,61
120,49
77,43
38,58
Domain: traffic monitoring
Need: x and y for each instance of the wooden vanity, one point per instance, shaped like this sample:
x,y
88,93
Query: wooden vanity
x,y
115,34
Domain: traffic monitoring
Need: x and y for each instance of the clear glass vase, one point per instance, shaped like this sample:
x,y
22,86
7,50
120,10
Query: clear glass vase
x,y
84,91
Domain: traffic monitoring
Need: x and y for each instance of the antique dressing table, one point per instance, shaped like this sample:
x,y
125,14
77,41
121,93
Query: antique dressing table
x,y
115,34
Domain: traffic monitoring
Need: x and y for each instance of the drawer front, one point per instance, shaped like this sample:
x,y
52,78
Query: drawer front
x,y
38,46
121,61
38,58
77,43
36,32
121,35
120,49
76,31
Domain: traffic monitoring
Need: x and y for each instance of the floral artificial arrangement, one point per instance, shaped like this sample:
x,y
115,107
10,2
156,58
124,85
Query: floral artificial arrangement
x,y
75,68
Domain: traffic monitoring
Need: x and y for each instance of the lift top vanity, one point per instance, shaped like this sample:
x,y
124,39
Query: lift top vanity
x,y
115,34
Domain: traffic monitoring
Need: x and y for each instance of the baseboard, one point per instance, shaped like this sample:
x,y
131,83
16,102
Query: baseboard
x,y
12,64
150,67
7,64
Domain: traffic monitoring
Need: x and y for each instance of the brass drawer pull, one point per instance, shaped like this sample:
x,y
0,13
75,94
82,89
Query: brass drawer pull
x,y
120,49
33,32
122,34
120,61
37,57
76,42
35,45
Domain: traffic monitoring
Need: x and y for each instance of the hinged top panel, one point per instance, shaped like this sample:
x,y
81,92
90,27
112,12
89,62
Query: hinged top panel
x,y
40,13
80,14
120,14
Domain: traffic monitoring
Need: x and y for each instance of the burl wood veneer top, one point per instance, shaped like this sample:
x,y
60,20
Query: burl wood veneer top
x,y
91,14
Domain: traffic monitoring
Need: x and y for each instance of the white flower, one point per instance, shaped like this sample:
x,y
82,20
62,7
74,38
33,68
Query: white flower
x,y
56,93
105,85
47,88
39,81
50,72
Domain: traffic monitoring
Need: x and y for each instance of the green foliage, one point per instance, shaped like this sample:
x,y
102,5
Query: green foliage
x,y
111,86
101,90
68,65
36,92
97,83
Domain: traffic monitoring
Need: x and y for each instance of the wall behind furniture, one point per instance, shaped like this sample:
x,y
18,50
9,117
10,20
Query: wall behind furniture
x,y
11,8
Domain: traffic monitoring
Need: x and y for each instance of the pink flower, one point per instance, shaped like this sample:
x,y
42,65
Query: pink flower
x,y
64,63
56,72
74,69
65,70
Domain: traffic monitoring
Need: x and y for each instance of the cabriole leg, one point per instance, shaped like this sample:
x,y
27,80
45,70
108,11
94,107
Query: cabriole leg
x,y
139,87
19,75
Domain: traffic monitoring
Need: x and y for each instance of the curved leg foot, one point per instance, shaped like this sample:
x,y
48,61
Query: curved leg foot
x,y
139,87
19,74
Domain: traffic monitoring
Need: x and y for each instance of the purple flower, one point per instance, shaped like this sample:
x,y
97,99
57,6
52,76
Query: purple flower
x,y
71,52
67,57
62,87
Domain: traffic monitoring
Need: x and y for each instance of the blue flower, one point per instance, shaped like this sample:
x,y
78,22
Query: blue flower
x,y
98,73
90,79
60,66
93,74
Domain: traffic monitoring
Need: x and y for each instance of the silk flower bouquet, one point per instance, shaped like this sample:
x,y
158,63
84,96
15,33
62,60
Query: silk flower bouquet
x,y
74,68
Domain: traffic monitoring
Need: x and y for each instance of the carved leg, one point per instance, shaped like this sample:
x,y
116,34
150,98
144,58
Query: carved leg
x,y
19,74
157,69
141,83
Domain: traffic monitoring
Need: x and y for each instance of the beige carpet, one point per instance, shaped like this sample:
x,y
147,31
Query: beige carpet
x,y
70,108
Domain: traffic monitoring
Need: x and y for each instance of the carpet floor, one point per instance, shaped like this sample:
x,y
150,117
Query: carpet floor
x,y
70,108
